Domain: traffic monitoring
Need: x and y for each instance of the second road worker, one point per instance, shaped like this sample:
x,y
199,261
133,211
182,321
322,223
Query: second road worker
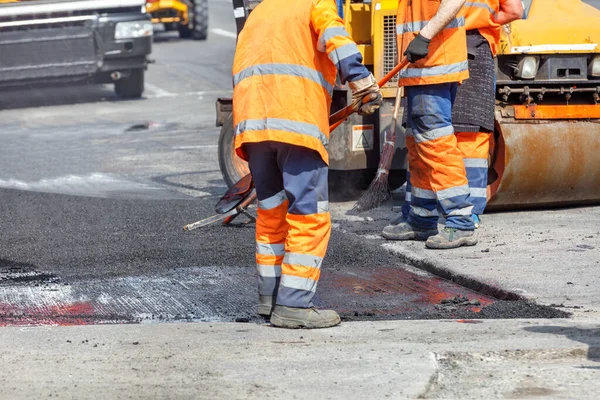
x,y
284,71
473,111
431,35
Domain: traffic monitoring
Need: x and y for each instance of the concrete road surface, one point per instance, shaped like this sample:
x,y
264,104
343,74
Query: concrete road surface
x,y
102,295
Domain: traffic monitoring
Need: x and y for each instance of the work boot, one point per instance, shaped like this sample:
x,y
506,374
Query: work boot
x,y
450,238
405,231
266,304
398,219
476,220
310,318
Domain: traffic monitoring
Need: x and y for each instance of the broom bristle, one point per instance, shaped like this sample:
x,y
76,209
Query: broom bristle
x,y
377,193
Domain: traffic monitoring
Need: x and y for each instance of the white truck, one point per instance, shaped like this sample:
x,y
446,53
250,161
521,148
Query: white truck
x,y
58,42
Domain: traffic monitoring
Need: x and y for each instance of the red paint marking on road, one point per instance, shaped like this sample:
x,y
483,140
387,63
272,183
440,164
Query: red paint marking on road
x,y
392,283
57,315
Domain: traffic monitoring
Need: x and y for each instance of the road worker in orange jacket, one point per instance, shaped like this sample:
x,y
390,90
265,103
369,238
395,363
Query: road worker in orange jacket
x,y
286,63
473,110
432,36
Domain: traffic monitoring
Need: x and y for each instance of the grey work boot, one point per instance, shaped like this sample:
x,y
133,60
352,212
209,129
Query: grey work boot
x,y
405,231
450,238
266,304
310,318
397,219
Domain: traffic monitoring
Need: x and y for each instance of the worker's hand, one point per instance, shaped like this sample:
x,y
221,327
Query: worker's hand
x,y
366,96
417,49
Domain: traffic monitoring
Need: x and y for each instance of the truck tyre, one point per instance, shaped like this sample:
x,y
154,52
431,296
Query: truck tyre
x,y
200,26
197,29
131,86
233,168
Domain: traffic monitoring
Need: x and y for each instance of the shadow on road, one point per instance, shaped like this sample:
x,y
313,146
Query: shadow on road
x,y
215,187
591,337
162,37
56,96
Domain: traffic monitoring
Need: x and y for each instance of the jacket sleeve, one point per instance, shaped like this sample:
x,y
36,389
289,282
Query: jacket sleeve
x,y
336,42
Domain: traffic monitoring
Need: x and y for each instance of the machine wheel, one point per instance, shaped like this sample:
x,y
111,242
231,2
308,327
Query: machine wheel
x,y
131,86
232,167
197,28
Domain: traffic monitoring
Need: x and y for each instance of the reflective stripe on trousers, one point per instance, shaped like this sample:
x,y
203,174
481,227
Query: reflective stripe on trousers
x,y
475,147
293,225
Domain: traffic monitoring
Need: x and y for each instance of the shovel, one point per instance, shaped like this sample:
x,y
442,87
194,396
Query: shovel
x,y
235,202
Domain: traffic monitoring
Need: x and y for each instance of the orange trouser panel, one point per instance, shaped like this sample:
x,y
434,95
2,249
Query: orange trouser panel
x,y
271,233
437,164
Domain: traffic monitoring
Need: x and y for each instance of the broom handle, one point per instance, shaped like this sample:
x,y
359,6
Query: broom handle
x,y
399,94
336,119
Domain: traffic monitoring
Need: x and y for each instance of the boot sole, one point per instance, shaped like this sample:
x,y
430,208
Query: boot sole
x,y
418,236
452,245
291,323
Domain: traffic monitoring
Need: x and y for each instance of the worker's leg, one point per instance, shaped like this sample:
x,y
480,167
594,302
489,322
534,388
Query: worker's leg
x,y
306,188
402,216
407,197
271,224
421,210
438,174
475,147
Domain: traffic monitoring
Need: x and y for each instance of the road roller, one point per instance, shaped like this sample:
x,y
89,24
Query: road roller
x,y
545,150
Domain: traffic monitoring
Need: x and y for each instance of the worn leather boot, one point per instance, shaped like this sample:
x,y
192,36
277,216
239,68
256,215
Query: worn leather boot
x,y
405,231
310,318
450,238
266,304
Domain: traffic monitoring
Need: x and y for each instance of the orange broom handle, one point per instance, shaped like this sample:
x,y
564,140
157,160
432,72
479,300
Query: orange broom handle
x,y
336,119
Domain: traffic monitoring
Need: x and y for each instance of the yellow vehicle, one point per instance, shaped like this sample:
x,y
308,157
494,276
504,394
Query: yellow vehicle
x,y
189,17
546,147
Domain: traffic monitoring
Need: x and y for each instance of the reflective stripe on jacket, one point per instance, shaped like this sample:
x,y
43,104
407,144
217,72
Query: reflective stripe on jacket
x,y
447,59
481,15
284,72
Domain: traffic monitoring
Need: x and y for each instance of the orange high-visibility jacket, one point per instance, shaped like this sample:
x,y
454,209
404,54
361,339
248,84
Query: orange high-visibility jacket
x,y
481,15
447,58
284,71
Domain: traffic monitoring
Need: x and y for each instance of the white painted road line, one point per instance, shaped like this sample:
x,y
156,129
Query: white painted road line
x,y
164,94
159,92
223,32
202,146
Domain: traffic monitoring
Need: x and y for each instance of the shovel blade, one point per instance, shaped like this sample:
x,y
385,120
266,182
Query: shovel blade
x,y
235,195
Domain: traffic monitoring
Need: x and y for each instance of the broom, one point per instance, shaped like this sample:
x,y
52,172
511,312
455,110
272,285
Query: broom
x,y
379,190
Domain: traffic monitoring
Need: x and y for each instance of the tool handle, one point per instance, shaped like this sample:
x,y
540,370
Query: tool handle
x,y
336,119
207,221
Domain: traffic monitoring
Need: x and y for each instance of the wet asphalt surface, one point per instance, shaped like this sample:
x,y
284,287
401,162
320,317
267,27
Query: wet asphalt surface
x,y
95,191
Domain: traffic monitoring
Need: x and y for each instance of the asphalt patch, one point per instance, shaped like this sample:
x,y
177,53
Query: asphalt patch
x,y
77,260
